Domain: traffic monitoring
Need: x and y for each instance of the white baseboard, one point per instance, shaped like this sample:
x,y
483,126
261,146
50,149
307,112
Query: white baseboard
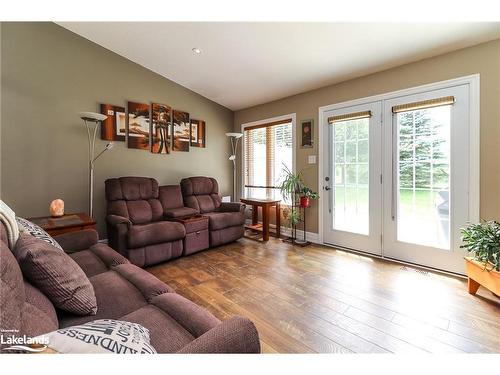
x,y
311,237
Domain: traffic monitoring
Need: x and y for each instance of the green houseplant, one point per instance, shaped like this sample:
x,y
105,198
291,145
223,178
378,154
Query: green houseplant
x,y
482,242
294,190
290,187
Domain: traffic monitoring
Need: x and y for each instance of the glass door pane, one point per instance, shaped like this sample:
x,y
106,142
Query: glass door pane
x,y
351,176
423,170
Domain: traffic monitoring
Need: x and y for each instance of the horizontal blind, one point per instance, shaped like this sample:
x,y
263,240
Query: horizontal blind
x,y
274,134
447,100
249,155
349,116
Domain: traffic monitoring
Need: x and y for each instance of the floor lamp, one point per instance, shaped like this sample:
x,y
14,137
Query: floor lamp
x,y
235,138
92,121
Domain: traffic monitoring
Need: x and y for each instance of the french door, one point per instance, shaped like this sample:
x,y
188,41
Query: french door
x,y
352,178
426,159
396,182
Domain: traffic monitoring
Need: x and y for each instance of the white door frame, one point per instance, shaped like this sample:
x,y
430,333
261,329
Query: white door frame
x,y
474,136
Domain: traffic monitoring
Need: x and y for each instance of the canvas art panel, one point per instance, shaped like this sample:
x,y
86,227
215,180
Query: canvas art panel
x,y
198,133
138,124
181,131
113,128
306,131
161,128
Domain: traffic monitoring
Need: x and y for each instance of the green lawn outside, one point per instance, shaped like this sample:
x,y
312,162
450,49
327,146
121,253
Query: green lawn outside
x,y
420,202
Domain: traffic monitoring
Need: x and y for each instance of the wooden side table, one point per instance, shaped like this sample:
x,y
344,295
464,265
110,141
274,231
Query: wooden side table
x,y
64,224
266,205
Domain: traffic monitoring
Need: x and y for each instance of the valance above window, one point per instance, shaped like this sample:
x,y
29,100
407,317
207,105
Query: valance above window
x,y
447,100
349,116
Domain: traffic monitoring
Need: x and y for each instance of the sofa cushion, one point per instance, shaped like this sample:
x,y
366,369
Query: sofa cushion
x,y
131,188
56,275
221,220
153,254
38,300
102,336
115,296
201,193
167,335
195,319
170,196
154,233
174,213
144,211
134,198
226,235
76,241
26,226
146,283
97,259
11,290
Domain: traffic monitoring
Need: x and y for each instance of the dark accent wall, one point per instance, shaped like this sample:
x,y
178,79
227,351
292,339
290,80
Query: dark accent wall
x,y
48,75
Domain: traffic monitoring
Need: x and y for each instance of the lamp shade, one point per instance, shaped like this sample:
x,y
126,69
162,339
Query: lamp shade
x,y
92,116
235,135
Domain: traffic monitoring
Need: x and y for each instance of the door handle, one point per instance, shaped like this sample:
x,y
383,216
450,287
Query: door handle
x,y
327,187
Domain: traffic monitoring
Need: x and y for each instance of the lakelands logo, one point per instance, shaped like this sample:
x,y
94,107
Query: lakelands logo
x,y
23,343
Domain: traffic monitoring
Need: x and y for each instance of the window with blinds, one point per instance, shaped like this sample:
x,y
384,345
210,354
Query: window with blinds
x,y
268,149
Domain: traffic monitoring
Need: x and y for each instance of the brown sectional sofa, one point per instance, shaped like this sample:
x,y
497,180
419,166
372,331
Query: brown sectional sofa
x,y
125,292
141,218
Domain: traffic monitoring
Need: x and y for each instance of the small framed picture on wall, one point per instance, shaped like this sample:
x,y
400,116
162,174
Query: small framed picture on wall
x,y
306,131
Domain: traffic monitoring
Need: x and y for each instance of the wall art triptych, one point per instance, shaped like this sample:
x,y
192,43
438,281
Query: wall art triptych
x,y
155,127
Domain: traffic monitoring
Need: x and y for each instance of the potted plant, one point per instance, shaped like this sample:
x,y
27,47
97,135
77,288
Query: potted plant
x,y
290,188
482,241
306,195
291,185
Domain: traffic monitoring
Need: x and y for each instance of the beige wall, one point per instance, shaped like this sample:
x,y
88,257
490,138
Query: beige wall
x,y
48,75
483,59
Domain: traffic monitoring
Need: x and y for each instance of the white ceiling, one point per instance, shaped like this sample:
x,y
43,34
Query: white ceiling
x,y
245,64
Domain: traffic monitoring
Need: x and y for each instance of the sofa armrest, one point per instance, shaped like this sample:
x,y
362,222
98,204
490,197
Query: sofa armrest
x,y
115,220
232,207
235,335
76,241
118,228
178,212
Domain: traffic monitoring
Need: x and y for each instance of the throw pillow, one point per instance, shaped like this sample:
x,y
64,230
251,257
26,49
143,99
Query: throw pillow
x,y
36,231
101,336
57,276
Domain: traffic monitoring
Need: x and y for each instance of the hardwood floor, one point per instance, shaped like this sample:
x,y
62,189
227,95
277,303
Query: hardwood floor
x,y
318,299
